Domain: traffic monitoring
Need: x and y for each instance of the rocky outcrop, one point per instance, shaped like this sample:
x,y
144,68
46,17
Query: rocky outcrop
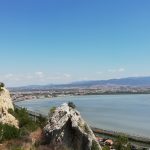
x,y
5,105
66,127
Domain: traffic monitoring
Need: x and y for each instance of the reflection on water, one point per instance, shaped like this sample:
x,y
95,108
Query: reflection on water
x,y
124,113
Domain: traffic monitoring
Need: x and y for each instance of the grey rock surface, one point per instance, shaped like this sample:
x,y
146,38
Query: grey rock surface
x,y
67,127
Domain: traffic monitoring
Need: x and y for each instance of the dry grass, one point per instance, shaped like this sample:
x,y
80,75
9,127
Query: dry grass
x,y
24,143
30,143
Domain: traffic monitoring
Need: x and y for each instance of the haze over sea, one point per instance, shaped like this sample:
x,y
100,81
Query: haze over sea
x,y
123,113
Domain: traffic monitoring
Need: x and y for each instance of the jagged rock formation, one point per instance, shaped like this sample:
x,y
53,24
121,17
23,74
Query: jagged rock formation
x,y
66,127
5,105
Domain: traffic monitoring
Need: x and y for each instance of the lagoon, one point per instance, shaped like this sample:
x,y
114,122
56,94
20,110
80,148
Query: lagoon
x,y
122,113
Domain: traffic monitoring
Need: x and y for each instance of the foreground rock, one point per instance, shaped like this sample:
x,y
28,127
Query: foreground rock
x,y
66,127
5,105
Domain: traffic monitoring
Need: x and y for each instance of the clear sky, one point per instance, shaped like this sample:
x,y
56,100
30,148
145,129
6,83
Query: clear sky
x,y
60,41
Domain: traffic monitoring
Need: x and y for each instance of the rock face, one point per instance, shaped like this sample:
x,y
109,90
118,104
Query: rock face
x,y
66,127
5,105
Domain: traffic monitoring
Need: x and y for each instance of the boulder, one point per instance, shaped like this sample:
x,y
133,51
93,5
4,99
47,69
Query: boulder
x,y
5,105
66,127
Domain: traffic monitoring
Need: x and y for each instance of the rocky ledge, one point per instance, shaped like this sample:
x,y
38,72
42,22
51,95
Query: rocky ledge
x,y
66,127
5,105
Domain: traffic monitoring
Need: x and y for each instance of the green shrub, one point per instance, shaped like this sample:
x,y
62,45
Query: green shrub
x,y
11,111
8,132
23,117
42,121
25,121
94,145
52,110
72,105
122,139
106,148
122,143
26,125
2,84
24,131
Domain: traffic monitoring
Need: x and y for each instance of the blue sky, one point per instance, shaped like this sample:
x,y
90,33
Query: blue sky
x,y
60,41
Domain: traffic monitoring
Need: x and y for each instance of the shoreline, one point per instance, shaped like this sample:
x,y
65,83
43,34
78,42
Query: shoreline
x,y
114,94
114,134
29,96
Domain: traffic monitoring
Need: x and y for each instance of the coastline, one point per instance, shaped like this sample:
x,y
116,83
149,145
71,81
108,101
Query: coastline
x,y
42,94
114,94
115,134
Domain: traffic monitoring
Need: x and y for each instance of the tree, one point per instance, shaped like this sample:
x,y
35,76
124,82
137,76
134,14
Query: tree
x,y
72,105
1,86
94,145
122,143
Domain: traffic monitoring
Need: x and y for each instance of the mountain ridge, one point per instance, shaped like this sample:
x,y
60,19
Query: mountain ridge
x,y
129,81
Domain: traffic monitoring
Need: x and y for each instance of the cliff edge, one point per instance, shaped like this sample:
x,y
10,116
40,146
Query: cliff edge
x,y
66,127
5,105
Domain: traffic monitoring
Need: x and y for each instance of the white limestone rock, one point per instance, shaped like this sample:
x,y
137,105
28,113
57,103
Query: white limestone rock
x,y
5,105
67,127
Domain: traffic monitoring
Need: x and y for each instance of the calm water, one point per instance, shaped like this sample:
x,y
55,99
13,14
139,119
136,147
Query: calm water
x,y
123,113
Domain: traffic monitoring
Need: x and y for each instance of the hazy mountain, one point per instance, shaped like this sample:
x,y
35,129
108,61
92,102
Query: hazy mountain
x,y
131,81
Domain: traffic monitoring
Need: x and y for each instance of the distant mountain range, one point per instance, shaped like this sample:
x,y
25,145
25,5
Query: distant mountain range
x,y
131,81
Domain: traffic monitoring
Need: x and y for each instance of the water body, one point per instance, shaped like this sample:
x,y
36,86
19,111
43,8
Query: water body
x,y
121,113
